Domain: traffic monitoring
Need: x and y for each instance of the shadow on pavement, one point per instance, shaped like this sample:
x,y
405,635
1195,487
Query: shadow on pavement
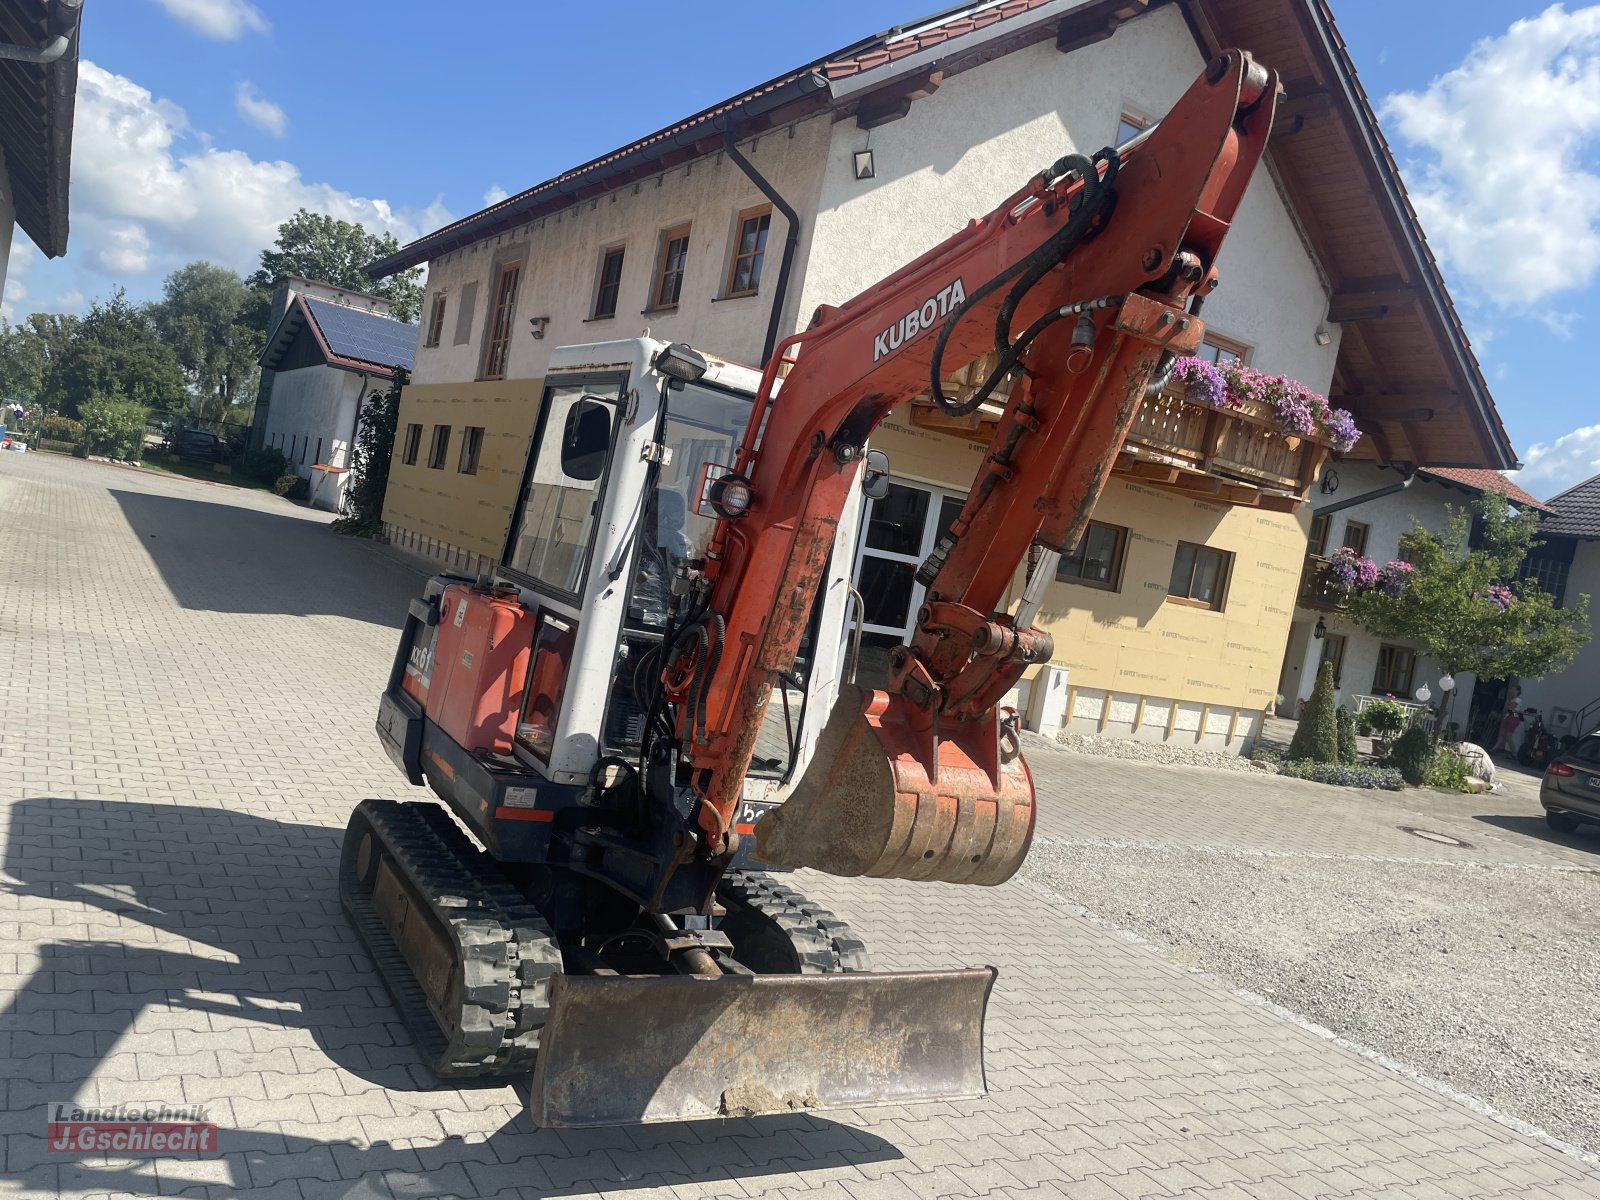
x,y
224,557
261,893
1586,838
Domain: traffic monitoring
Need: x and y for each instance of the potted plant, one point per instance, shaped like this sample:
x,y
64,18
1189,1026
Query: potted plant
x,y
1386,719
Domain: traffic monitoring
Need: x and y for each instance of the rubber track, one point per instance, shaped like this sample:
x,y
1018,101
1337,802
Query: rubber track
x,y
506,950
823,941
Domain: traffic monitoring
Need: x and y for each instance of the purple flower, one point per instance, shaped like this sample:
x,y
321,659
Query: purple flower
x,y
1349,571
1342,430
1394,576
1503,596
1204,383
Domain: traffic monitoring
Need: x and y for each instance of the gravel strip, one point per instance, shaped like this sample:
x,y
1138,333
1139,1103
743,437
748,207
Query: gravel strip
x,y
1156,752
1481,975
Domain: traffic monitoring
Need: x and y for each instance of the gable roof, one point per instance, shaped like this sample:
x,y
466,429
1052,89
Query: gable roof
x,y
1478,480
349,338
1405,369
37,101
1576,511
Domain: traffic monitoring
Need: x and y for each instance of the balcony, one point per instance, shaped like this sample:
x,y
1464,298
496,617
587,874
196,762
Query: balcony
x,y
1234,456
1315,591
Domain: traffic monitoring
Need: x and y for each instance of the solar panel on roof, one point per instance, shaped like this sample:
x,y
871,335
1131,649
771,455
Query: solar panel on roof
x,y
351,333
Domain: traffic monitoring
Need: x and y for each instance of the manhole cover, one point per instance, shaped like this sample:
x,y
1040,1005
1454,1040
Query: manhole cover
x,y
1444,839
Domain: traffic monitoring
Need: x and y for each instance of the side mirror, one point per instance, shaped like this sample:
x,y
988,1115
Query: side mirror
x,y
585,440
875,475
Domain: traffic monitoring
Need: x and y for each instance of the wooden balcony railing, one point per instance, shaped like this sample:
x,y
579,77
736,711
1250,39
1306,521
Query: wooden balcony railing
x,y
1315,591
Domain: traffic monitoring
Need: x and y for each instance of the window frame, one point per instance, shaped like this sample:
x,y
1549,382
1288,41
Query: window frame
x,y
1315,544
1137,122
1119,557
1224,577
620,251
435,321
1336,658
411,448
439,448
1365,532
471,449
503,313
683,231
758,255
1404,691
1224,345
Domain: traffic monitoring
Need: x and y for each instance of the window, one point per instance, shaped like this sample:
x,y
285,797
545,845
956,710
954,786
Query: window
x,y
464,307
1333,652
1549,573
1393,676
304,446
471,448
669,268
318,458
440,447
1355,536
413,444
1199,576
1319,535
749,248
1221,351
554,521
607,284
1129,128
1097,561
436,320
505,304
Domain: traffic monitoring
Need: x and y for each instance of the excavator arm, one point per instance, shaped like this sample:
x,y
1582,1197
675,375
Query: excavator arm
x,y
1077,290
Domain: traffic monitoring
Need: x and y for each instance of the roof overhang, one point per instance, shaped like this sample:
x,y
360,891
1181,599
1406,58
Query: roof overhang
x,y
37,102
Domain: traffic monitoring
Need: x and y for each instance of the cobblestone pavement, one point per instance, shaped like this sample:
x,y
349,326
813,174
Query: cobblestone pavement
x,y
189,678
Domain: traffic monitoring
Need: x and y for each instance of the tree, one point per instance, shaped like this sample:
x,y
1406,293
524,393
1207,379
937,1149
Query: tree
x,y
204,316
114,426
115,350
24,362
328,250
1317,736
374,448
1463,601
1346,728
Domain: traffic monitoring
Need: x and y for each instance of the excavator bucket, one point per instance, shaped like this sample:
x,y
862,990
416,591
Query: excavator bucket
x,y
619,1050
886,798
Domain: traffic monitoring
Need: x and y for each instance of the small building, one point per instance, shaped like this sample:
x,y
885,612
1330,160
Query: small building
x,y
1369,509
1569,565
38,94
326,353
1170,620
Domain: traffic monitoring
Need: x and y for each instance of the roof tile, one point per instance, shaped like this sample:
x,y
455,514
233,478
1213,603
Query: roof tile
x,y
1480,479
1575,511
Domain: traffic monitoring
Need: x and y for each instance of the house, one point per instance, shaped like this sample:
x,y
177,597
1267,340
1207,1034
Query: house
x,y
38,92
1369,508
1569,564
729,227
329,349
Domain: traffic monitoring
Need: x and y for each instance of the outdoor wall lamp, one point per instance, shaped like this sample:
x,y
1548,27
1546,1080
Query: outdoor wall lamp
x,y
1447,683
1423,694
864,165
538,324
1321,631
1323,336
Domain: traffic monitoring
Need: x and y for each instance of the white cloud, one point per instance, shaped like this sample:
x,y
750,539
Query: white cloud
x,y
15,294
226,20
1503,143
1571,458
494,195
255,109
141,172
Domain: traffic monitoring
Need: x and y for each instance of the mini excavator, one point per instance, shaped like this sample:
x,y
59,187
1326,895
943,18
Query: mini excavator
x,y
643,719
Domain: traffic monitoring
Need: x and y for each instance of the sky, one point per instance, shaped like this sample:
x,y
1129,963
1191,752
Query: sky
x,y
202,124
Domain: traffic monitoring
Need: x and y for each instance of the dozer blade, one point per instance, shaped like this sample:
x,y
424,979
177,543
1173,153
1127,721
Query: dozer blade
x,y
884,798
624,1049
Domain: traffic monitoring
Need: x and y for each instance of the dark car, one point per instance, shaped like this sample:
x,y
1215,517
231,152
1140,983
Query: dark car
x,y
198,445
1570,791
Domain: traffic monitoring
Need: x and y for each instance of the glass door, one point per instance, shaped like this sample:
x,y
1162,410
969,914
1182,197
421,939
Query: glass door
x,y
898,533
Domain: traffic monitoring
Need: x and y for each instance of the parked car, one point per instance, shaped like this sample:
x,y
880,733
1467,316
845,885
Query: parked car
x,y
198,445
1570,791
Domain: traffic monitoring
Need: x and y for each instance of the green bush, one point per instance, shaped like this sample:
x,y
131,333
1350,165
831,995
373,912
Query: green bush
x,y
1346,726
1385,717
285,484
113,426
1448,770
57,428
1317,736
1412,755
264,466
1340,775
